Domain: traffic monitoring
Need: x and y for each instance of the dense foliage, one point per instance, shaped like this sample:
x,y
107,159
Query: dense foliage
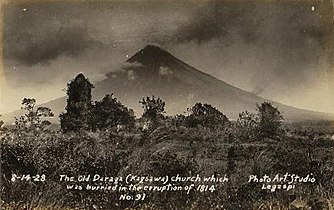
x,y
109,112
153,112
109,141
270,120
78,115
205,115
82,115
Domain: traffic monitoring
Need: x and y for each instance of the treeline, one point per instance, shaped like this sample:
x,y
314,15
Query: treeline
x,y
82,114
104,137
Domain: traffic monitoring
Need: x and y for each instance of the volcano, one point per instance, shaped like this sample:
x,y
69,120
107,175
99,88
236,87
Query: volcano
x,y
154,71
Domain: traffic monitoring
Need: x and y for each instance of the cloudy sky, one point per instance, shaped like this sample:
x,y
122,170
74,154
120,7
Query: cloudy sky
x,y
281,50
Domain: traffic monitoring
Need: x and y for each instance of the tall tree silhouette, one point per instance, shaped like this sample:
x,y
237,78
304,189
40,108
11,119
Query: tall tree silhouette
x,y
78,114
270,120
33,118
153,111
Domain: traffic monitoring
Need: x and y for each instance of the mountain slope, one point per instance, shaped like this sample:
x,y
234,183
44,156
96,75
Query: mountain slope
x,y
154,71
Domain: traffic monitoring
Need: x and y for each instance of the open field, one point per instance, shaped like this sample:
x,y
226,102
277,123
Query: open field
x,y
166,150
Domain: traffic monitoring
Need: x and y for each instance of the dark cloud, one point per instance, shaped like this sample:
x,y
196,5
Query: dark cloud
x,y
279,46
293,36
33,36
251,21
217,19
69,41
203,27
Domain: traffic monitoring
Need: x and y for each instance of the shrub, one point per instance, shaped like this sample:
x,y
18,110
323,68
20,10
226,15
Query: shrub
x,y
270,120
205,115
246,126
153,112
109,112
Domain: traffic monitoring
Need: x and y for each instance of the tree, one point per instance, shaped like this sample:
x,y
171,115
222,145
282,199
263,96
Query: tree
x,y
78,114
33,118
109,112
270,120
153,110
247,124
177,120
205,115
1,123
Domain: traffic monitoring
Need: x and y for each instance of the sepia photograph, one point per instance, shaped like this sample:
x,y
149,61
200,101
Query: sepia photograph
x,y
167,105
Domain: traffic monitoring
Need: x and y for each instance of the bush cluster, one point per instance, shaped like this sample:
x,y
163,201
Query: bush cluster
x,y
105,138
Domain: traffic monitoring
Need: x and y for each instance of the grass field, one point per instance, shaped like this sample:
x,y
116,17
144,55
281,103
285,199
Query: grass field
x,y
168,150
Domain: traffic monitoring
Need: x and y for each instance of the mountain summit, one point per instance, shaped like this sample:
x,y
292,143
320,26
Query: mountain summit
x,y
156,60
151,55
154,71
